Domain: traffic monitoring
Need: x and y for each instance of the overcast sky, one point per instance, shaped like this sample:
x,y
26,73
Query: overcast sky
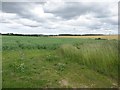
x,y
59,17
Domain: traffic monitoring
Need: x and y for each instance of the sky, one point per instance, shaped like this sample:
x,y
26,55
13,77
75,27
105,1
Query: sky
x,y
61,17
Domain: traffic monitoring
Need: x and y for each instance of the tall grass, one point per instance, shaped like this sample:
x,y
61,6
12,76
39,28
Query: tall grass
x,y
101,57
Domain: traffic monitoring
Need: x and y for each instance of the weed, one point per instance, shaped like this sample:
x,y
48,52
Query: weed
x,y
60,66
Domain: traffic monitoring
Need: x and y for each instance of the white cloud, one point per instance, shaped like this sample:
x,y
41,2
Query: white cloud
x,y
62,17
38,10
28,22
52,5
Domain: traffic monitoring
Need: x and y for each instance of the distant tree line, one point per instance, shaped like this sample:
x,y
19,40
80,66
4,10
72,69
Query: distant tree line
x,y
11,34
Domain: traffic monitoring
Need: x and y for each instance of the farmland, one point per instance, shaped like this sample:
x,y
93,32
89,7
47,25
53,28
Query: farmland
x,y
92,37
35,62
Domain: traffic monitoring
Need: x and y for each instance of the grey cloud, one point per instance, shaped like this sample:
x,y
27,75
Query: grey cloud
x,y
110,21
22,9
67,11
34,26
4,21
74,9
0,6
94,27
15,7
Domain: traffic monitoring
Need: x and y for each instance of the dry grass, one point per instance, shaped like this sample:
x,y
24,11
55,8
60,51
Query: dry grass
x,y
103,37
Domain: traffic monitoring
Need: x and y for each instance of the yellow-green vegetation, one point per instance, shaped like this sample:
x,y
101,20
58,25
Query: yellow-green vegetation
x,y
35,62
92,37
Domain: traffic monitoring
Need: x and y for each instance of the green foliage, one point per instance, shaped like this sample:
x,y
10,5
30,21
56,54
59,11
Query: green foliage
x,y
35,62
60,66
17,66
